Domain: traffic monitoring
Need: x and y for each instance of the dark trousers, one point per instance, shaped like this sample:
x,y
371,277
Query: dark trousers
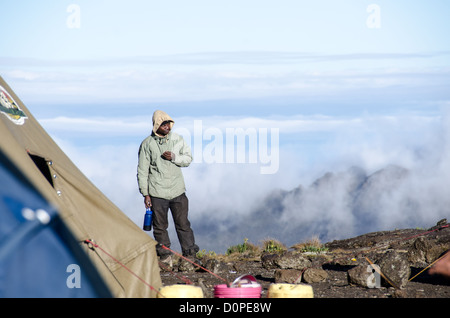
x,y
179,207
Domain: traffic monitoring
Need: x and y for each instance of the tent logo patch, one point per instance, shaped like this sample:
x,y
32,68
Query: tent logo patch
x,y
10,108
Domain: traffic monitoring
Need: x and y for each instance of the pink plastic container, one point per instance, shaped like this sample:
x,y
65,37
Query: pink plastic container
x,y
223,291
244,286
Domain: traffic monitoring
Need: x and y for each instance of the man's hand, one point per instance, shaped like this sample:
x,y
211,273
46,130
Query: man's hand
x,y
147,202
168,155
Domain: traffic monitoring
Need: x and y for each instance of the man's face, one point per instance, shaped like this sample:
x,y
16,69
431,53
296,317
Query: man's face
x,y
164,129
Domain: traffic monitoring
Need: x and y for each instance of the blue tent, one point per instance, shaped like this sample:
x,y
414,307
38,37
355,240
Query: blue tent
x,y
39,256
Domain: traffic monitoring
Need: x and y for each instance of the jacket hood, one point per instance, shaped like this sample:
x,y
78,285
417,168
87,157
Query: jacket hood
x,y
159,117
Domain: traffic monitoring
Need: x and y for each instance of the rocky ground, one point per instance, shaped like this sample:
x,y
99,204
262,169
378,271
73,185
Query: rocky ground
x,y
341,271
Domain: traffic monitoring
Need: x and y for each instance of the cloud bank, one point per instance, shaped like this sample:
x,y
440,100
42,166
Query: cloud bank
x,y
219,75
357,173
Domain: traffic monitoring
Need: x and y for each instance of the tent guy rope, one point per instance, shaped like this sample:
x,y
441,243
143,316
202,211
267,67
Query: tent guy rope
x,y
381,246
187,259
125,267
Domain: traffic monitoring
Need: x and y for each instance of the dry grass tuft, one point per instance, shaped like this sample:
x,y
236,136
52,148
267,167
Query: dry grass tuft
x,y
272,245
311,245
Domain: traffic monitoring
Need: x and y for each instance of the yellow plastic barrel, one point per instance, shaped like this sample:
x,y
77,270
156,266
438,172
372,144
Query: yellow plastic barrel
x,y
290,291
180,291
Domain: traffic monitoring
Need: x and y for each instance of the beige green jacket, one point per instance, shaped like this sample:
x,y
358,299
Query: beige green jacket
x,y
159,177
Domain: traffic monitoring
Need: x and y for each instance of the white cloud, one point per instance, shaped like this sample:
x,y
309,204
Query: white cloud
x,y
98,125
353,127
219,58
222,75
23,75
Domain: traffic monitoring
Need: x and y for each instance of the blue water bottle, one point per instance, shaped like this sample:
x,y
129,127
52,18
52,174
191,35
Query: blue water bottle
x,y
148,219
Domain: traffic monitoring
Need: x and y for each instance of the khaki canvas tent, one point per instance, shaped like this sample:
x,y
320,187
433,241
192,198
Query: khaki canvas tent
x,y
82,208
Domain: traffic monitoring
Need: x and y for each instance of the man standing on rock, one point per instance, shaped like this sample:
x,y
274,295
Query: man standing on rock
x,y
161,182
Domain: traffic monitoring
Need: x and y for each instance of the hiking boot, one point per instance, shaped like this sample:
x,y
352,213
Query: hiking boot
x,y
186,266
166,262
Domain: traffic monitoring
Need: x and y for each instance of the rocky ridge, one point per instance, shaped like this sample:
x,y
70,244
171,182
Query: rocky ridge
x,y
385,264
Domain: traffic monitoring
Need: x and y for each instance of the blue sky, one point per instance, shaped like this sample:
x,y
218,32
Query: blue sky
x,y
345,82
152,51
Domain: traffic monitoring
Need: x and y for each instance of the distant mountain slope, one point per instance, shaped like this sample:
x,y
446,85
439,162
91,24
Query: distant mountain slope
x,y
335,206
